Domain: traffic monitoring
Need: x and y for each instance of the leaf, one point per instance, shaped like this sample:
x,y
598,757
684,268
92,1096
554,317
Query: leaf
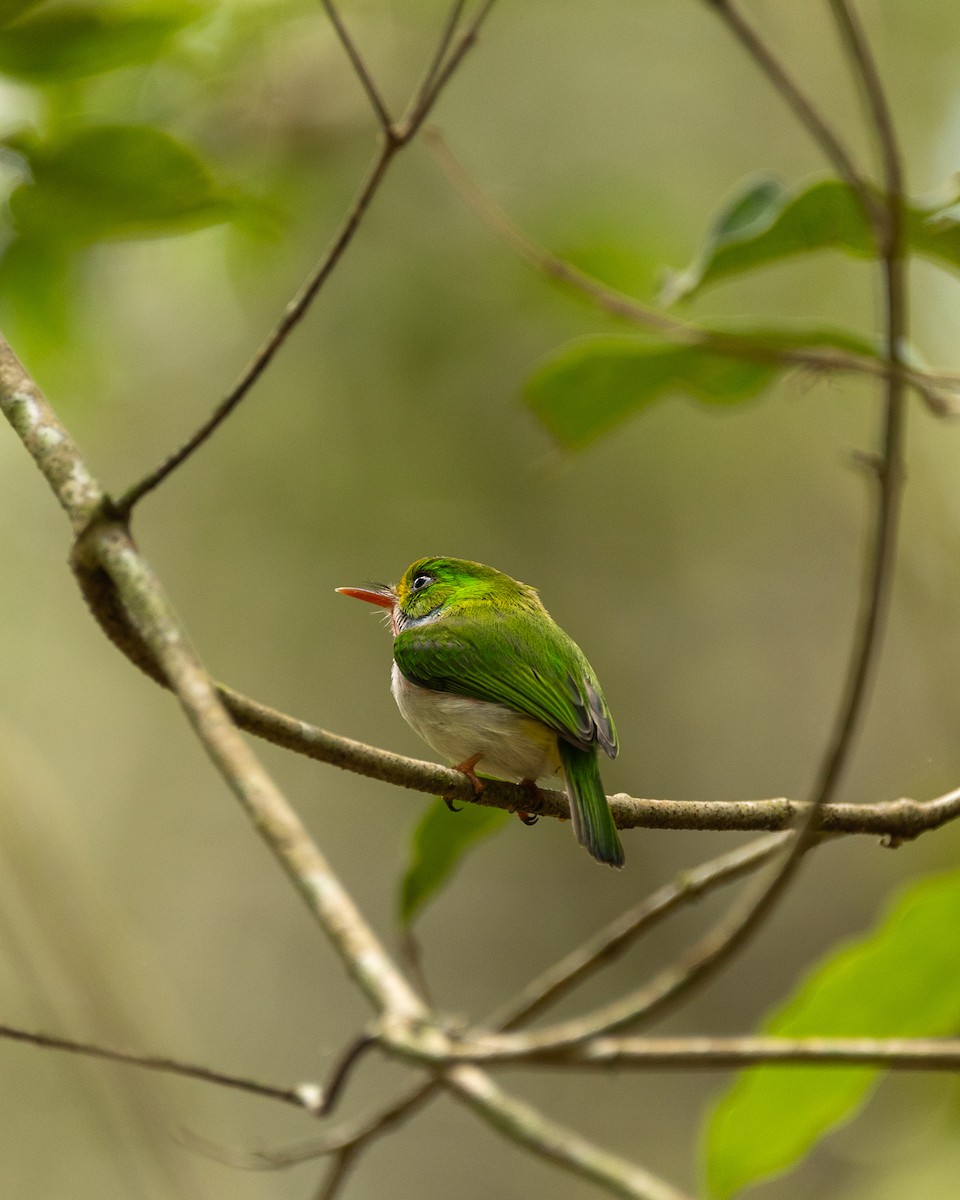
x,y
36,290
10,10
768,222
73,41
116,181
589,386
439,842
900,980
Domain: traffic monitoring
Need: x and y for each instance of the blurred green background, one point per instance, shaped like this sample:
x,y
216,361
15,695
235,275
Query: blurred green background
x,y
707,561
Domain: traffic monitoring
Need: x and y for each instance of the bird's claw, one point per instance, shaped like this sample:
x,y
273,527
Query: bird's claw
x,y
530,787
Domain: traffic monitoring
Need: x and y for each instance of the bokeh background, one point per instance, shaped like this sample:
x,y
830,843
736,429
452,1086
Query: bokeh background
x,y
707,561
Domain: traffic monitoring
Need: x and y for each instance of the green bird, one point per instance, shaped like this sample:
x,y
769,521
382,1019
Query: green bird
x,y
486,676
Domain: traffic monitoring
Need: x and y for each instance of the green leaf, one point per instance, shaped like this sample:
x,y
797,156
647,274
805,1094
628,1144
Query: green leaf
x,y
439,842
768,222
116,181
73,41
36,290
589,386
10,10
900,980
824,216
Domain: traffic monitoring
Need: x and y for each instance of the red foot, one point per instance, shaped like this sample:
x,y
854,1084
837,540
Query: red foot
x,y
466,768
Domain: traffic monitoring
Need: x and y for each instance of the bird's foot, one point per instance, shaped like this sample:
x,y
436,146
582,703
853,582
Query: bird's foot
x,y
529,786
466,768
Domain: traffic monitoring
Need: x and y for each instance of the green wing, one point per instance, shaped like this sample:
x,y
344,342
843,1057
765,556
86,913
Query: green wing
x,y
531,667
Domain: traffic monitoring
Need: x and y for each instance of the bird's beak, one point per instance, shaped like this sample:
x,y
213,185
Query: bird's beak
x,y
378,593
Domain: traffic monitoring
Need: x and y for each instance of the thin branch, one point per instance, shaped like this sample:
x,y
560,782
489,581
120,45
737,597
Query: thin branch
x,y
803,107
105,542
611,941
360,69
877,108
443,45
344,1137
341,1071
394,140
560,1146
336,1177
302,1096
938,389
293,314
422,107
712,1053
890,471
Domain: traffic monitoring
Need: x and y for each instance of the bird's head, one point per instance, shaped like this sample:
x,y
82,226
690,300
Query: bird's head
x,y
433,587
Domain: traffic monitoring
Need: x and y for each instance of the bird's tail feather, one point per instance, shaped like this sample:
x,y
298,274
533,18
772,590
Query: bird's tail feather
x,y
592,820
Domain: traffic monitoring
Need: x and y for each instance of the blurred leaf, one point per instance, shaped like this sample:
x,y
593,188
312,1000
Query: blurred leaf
x,y
589,386
10,10
439,841
116,181
72,41
900,980
768,222
36,287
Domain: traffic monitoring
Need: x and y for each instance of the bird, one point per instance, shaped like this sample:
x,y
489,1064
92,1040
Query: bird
x,y
490,681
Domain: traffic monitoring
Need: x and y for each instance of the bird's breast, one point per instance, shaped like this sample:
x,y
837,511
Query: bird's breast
x,y
511,745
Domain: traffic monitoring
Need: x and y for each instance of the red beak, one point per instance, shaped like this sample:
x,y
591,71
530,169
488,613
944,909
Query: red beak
x,y
380,594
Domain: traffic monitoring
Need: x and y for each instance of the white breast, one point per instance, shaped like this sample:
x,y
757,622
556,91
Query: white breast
x,y
511,746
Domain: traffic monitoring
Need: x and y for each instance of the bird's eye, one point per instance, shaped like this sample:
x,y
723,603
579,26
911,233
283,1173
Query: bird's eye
x,y
421,581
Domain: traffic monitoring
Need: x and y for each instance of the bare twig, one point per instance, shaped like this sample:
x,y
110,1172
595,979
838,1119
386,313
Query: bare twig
x,y
353,1133
938,389
336,1177
443,45
301,1096
292,315
395,138
423,105
890,471
562,1147
360,69
341,1071
710,1053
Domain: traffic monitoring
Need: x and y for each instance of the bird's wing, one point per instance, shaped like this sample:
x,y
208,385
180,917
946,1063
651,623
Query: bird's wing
x,y
542,674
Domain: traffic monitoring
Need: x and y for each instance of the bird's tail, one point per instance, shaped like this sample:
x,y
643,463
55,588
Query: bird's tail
x,y
592,819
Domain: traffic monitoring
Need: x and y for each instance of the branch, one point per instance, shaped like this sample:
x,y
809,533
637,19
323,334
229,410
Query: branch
x,y
105,542
304,1095
890,470
360,70
395,138
558,1145
354,1133
712,1053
